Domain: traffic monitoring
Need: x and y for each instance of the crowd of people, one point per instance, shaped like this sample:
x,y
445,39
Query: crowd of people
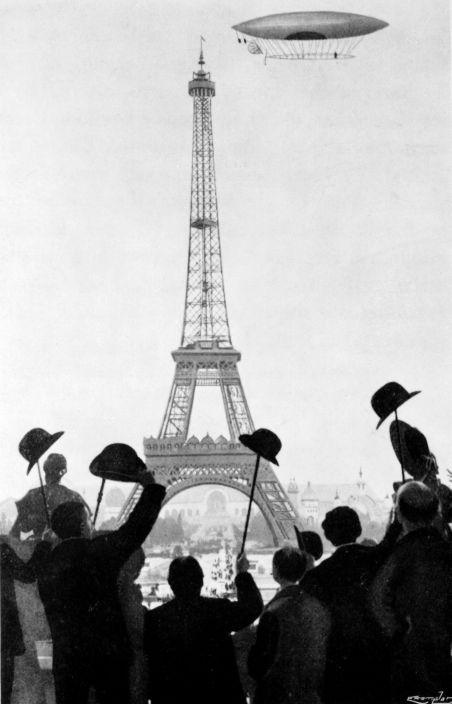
x,y
371,624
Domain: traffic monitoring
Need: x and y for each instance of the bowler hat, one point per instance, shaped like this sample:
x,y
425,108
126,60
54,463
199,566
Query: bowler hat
x,y
118,462
387,399
309,542
35,443
263,442
413,452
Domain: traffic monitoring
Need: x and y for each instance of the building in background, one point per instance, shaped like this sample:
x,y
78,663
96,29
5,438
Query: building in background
x,y
313,501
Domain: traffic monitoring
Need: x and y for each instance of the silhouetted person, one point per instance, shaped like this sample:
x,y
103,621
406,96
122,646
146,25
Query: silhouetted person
x,y
31,514
412,599
78,584
133,611
288,658
12,643
356,670
310,543
188,641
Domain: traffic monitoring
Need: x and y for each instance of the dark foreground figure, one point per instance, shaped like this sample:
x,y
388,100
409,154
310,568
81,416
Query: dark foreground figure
x,y
78,586
412,600
12,643
188,642
288,658
357,669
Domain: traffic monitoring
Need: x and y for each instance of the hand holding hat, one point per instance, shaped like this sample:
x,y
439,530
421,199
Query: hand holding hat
x,y
267,445
413,451
118,462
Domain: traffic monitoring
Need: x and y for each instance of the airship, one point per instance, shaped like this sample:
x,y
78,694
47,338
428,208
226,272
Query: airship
x,y
306,35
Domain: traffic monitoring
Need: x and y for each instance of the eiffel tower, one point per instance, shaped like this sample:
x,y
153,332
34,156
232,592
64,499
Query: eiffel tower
x,y
206,357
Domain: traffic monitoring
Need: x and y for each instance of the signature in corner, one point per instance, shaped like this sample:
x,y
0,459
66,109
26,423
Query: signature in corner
x,y
440,699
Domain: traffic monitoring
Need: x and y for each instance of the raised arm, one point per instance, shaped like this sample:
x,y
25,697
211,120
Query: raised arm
x,y
241,613
121,543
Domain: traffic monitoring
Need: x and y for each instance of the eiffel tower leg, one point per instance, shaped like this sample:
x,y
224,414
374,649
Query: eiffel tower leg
x,y
235,405
276,507
178,410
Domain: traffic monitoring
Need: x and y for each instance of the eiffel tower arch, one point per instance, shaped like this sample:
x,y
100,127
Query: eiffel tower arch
x,y
206,357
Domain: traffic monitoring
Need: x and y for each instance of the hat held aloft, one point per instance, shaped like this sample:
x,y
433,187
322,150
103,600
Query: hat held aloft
x,y
265,444
388,399
35,443
118,462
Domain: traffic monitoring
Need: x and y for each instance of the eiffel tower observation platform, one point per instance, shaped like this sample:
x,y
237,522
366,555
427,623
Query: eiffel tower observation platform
x,y
225,462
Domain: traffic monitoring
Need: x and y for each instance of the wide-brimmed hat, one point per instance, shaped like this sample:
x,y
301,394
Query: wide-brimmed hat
x,y
35,443
388,399
118,462
413,451
263,442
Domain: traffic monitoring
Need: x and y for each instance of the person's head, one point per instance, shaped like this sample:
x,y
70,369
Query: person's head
x,y
71,520
416,506
185,577
289,565
55,466
341,525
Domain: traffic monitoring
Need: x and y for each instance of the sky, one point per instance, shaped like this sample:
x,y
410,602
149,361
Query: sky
x,y
334,206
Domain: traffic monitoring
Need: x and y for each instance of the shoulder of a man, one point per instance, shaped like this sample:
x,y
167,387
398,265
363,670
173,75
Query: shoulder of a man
x,y
159,620
317,580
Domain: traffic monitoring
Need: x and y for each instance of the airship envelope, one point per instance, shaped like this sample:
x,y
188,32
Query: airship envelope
x,y
305,35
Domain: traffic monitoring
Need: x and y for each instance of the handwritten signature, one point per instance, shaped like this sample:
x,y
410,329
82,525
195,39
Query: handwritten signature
x,y
440,699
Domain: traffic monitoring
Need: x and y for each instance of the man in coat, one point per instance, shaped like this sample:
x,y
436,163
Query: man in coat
x,y
356,670
288,658
12,643
31,514
188,641
77,582
412,599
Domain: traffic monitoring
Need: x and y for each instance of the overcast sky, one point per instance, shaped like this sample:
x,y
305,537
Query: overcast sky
x,y
334,209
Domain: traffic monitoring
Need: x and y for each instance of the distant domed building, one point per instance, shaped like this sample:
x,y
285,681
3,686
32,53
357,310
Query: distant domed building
x,y
313,501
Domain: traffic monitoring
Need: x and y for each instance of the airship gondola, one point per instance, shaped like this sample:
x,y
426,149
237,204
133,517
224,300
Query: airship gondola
x,y
306,35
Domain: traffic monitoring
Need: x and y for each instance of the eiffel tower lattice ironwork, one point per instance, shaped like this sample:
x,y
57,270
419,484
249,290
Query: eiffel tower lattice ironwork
x,y
206,357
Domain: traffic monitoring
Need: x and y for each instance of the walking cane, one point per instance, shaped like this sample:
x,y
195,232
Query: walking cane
x,y
253,486
32,446
43,494
267,445
399,440
99,499
386,401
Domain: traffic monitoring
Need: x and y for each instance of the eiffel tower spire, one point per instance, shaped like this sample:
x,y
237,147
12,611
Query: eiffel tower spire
x,y
205,314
